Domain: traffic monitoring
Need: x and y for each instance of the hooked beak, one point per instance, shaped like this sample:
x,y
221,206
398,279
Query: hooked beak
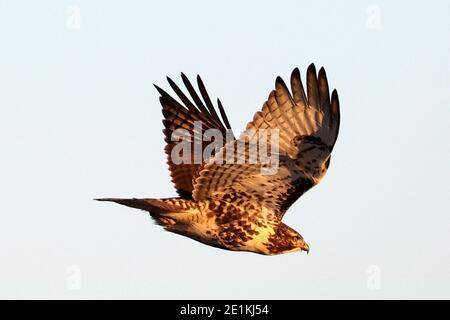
x,y
305,248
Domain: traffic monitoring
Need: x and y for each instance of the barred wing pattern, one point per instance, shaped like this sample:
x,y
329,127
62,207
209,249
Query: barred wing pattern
x,y
308,128
178,116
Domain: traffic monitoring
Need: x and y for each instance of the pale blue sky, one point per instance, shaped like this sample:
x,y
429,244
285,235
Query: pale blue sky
x,y
79,119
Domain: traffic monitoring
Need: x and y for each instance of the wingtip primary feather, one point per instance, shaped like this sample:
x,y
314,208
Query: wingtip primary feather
x,y
225,117
298,91
324,91
322,72
334,92
160,91
207,99
278,80
107,199
335,114
181,95
282,89
311,71
335,101
312,87
198,102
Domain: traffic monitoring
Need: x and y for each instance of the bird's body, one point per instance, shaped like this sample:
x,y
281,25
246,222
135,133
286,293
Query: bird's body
x,y
227,200
219,223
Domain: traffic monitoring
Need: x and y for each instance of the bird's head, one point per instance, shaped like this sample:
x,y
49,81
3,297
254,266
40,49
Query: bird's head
x,y
285,239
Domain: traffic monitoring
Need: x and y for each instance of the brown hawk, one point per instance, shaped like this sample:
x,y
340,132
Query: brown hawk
x,y
234,204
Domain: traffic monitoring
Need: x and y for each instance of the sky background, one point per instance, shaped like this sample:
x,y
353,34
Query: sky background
x,y
80,119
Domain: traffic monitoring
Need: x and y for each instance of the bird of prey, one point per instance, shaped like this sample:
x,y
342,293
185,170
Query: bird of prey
x,y
237,206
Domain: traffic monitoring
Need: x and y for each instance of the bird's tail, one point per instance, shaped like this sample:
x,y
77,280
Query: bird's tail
x,y
164,211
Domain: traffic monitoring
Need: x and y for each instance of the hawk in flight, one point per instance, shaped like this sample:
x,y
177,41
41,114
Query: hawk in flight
x,y
235,205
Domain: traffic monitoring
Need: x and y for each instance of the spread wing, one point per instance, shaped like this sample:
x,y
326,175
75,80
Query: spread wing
x,y
307,126
180,125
